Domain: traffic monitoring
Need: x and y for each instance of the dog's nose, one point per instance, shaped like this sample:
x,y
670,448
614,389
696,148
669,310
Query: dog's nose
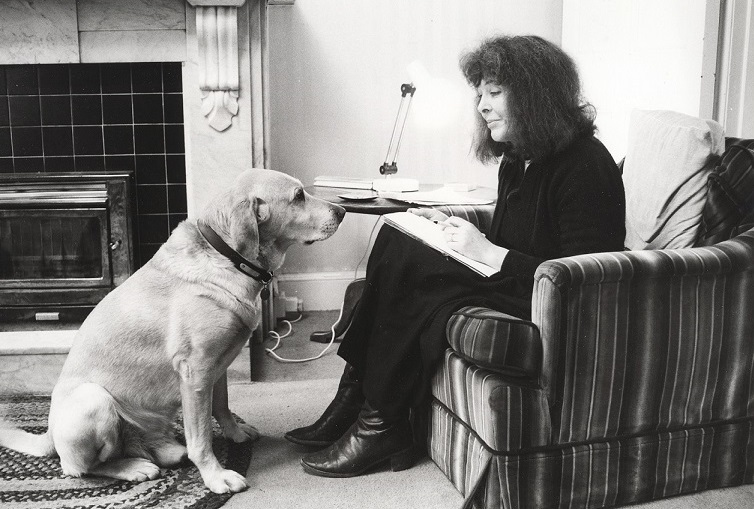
x,y
339,212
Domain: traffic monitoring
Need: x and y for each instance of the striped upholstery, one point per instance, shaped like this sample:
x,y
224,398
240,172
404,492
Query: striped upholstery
x,y
607,473
650,339
507,415
730,194
496,341
647,369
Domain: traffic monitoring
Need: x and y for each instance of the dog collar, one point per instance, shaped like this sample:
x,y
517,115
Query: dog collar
x,y
241,263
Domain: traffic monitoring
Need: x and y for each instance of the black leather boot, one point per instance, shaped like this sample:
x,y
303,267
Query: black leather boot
x,y
370,441
338,416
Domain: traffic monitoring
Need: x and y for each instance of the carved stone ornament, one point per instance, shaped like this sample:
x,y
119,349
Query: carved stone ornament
x,y
217,37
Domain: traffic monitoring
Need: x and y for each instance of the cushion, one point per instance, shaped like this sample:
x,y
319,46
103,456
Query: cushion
x,y
665,175
729,206
496,341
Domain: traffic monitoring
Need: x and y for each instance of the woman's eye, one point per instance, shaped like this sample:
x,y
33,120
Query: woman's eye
x,y
494,92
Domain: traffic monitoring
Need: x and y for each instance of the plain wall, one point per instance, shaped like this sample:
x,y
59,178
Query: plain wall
x,y
640,54
336,67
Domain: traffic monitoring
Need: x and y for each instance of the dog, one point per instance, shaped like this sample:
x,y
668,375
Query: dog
x,y
164,338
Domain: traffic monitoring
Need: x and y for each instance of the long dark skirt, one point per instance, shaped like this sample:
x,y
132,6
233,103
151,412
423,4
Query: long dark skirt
x,y
397,335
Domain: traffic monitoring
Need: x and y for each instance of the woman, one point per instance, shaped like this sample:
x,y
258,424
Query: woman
x,y
559,194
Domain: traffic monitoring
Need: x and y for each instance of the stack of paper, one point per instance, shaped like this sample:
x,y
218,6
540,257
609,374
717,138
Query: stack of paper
x,y
431,234
345,182
440,196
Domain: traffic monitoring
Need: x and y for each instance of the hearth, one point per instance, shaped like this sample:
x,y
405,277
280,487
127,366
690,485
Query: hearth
x,y
66,240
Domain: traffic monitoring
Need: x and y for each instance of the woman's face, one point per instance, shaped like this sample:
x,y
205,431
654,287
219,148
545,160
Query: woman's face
x,y
493,107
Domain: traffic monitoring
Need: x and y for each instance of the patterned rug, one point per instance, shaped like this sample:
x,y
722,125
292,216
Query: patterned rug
x,y
34,483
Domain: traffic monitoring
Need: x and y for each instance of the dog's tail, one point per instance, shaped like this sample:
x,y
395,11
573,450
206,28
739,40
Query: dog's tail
x,y
27,443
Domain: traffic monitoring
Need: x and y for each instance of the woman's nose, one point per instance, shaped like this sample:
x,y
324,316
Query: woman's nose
x,y
483,106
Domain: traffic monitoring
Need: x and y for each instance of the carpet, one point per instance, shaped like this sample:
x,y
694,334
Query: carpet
x,y
29,482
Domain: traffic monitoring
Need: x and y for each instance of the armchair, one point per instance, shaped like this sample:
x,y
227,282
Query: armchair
x,y
633,381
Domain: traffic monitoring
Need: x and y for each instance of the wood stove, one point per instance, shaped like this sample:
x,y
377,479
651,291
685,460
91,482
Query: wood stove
x,y
65,241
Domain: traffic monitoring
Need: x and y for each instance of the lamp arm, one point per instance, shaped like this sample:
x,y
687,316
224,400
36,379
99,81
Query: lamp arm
x,y
389,167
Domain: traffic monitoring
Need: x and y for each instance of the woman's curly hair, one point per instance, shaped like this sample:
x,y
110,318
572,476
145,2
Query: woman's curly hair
x,y
544,96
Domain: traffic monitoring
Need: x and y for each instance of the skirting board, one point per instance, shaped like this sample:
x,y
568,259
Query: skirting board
x,y
320,291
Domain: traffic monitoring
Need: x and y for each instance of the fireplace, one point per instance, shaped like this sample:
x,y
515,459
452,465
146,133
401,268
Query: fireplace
x,y
66,240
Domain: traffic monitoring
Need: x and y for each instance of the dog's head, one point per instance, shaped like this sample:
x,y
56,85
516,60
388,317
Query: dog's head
x,y
266,211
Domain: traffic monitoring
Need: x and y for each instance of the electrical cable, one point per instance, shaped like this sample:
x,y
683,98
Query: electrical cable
x,y
271,351
279,337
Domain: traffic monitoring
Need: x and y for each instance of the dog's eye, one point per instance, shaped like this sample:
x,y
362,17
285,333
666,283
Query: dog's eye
x,y
299,195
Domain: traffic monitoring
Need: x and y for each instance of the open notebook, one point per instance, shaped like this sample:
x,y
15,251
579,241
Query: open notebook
x,y
431,234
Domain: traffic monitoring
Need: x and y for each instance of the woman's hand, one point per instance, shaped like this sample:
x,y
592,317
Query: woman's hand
x,y
431,214
466,239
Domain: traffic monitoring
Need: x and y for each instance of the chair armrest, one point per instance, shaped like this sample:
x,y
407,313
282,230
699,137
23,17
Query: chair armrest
x,y
478,215
643,340
496,341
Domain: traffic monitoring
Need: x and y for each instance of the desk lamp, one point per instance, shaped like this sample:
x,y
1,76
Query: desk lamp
x,y
389,167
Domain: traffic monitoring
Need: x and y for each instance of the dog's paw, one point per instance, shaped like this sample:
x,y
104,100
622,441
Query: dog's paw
x,y
141,470
127,469
225,481
242,432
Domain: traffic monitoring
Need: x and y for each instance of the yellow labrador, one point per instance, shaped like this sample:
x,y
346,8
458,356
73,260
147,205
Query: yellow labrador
x,y
164,339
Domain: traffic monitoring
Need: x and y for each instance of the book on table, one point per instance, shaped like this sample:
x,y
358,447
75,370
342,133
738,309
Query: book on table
x,y
430,233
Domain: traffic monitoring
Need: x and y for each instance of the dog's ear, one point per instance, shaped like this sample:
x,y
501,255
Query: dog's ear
x,y
243,227
261,209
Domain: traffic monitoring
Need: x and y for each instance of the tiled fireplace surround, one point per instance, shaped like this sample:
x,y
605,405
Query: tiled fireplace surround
x,y
93,117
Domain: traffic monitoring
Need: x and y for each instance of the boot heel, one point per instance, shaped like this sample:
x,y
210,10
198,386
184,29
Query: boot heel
x,y
402,460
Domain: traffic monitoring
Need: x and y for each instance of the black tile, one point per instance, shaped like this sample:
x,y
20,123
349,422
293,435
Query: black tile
x,y
153,229
146,77
5,147
174,139
87,110
85,79
119,139
152,199
59,164
145,253
58,141
173,104
148,108
4,114
53,79
177,201
175,219
116,78
22,80
24,110
27,141
29,164
90,164
116,109
3,86
87,141
56,110
150,169
149,139
171,77
176,164
120,163
6,165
